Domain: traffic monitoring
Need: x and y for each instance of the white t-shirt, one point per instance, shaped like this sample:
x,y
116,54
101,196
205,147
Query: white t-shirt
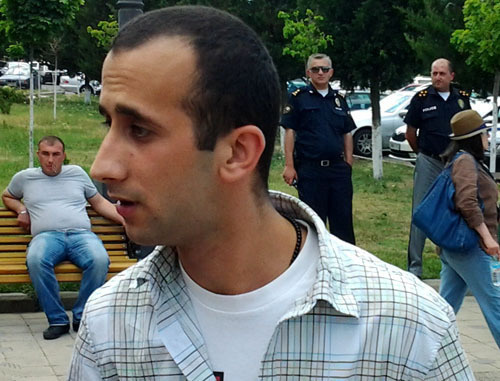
x,y
323,92
54,202
237,328
444,94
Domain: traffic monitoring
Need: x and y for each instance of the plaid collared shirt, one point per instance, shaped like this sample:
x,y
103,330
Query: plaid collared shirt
x,y
363,319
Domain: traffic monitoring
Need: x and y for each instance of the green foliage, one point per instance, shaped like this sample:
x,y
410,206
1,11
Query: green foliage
x,y
305,34
16,51
105,32
430,25
9,96
370,48
33,22
480,38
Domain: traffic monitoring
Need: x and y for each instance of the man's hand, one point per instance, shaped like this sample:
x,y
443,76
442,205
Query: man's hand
x,y
411,136
289,174
14,204
23,219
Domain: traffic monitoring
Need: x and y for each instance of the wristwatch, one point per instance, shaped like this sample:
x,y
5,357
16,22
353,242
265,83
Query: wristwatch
x,y
22,212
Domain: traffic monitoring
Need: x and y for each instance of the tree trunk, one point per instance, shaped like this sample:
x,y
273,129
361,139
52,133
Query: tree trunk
x,y
32,112
378,171
54,82
493,145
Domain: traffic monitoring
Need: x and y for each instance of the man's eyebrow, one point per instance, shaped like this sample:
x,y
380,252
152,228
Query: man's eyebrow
x,y
128,111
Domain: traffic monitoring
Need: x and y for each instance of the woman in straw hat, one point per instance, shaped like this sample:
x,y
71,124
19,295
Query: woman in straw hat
x,y
471,269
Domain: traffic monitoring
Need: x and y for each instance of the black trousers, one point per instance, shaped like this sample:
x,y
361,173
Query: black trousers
x,y
328,191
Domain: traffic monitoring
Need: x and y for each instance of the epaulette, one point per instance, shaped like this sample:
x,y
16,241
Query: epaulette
x,y
423,93
298,91
340,95
464,93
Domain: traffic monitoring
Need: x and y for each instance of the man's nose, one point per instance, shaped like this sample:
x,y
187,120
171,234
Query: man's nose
x,y
109,165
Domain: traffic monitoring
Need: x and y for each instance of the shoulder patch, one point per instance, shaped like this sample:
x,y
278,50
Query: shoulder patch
x,y
423,93
464,93
287,109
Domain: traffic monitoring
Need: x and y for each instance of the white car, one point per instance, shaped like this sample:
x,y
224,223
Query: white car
x,y
401,150
76,84
393,109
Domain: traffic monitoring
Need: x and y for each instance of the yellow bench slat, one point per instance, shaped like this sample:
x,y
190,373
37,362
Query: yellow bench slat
x,y
14,241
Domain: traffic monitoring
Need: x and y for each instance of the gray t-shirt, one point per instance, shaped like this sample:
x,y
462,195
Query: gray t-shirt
x,y
54,202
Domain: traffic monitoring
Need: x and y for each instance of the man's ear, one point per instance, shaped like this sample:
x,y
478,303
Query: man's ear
x,y
239,152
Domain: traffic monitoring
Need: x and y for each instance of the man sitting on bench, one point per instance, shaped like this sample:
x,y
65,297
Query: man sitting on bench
x,y
53,208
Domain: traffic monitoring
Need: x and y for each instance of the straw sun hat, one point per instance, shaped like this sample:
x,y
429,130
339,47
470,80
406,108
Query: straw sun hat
x,y
466,124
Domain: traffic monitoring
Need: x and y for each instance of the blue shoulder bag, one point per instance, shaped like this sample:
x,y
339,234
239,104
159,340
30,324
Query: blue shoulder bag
x,y
438,218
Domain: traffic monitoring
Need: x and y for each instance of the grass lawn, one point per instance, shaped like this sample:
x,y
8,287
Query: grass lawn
x,y
381,208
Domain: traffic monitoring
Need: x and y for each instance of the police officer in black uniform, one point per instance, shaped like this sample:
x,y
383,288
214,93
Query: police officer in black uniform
x,y
430,113
318,148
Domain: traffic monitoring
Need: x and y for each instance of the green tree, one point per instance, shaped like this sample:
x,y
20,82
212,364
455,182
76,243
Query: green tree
x,y
480,40
16,51
370,51
33,23
105,32
304,33
430,25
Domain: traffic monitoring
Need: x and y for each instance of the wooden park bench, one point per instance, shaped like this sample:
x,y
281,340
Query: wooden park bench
x,y
14,241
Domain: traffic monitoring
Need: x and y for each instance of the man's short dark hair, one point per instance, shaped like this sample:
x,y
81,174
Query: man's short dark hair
x,y
51,140
236,83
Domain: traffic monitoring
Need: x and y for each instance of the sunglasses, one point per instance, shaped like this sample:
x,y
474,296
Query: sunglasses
x,y
316,69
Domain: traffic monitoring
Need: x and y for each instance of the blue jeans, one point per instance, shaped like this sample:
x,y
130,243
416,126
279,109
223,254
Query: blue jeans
x,y
81,247
471,270
426,171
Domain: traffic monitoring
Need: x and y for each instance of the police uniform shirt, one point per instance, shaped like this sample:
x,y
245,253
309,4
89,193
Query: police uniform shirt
x,y
319,123
431,115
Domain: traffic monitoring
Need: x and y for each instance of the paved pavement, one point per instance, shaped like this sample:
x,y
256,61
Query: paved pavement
x,y
25,355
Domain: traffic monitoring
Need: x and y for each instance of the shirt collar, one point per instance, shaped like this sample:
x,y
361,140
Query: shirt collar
x,y
312,89
453,91
161,267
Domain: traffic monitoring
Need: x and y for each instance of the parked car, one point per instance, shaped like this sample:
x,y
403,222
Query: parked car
x,y
76,84
393,108
3,67
19,76
295,84
488,119
400,148
356,99
47,77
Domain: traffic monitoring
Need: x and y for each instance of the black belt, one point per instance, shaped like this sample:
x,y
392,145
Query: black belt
x,y
433,155
322,163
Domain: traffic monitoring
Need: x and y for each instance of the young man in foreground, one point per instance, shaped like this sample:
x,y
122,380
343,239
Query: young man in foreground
x,y
246,285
